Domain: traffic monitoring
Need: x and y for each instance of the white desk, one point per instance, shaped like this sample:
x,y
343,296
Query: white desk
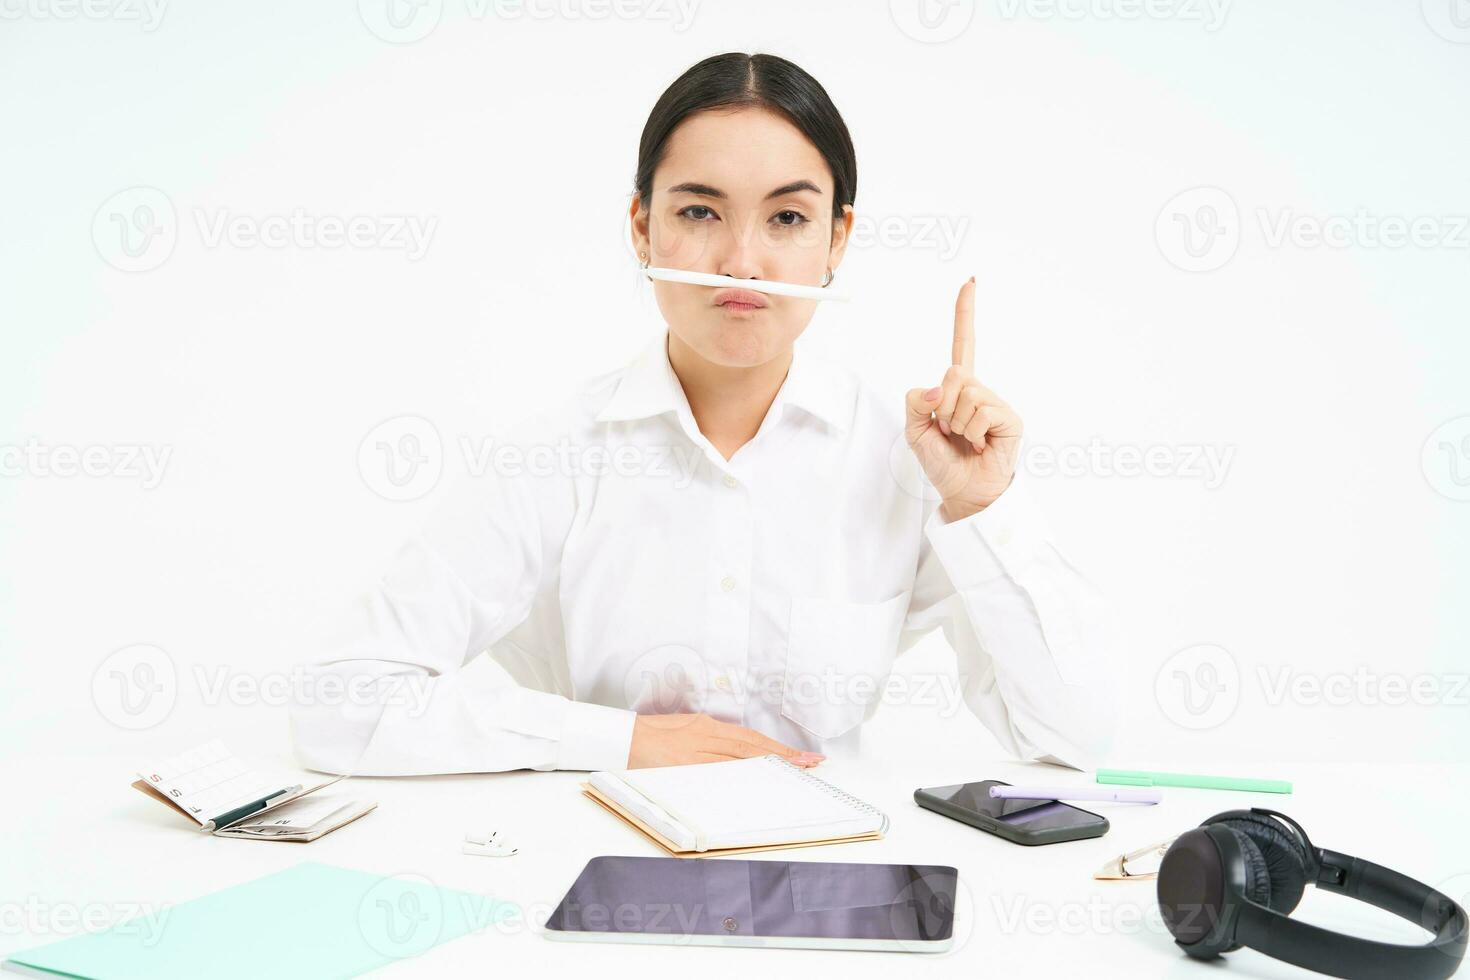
x,y
103,849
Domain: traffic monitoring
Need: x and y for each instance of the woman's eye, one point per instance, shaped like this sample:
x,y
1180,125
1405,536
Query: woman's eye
x,y
689,212
796,218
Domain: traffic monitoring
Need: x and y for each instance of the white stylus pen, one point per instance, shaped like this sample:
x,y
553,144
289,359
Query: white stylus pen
x,y
756,285
1111,794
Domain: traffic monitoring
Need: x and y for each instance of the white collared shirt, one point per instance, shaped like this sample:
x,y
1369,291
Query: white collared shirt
x,y
612,562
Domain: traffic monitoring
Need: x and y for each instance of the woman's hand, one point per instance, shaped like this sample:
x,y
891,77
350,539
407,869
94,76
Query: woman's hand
x,y
676,740
966,438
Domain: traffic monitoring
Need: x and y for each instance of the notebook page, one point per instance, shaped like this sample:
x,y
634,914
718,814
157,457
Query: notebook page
x,y
639,805
207,781
308,811
743,802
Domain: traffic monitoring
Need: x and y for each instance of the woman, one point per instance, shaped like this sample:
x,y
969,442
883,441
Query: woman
x,y
725,560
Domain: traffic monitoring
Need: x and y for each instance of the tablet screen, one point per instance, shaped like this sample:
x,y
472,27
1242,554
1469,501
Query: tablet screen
x,y
736,902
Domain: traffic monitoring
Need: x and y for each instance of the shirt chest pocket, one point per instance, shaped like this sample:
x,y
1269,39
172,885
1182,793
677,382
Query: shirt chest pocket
x,y
838,655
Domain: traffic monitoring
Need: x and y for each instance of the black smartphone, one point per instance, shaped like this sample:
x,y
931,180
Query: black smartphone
x,y
1019,821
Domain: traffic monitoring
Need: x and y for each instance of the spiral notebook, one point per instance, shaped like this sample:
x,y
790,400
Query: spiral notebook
x,y
735,807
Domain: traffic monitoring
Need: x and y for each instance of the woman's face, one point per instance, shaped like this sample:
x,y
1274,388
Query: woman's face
x,y
739,193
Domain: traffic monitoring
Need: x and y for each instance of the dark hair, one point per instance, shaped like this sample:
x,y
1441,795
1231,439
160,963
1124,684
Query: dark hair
x,y
735,81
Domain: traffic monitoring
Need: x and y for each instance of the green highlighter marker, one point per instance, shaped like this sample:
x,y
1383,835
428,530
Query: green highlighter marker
x,y
1129,777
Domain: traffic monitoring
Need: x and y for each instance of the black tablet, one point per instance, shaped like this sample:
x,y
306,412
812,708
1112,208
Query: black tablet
x,y
729,902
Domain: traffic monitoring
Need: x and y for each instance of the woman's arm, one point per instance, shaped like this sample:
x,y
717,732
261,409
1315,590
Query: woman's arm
x,y
1026,625
1029,631
402,688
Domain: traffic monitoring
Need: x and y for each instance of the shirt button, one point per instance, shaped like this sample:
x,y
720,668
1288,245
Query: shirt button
x,y
723,683
730,481
727,583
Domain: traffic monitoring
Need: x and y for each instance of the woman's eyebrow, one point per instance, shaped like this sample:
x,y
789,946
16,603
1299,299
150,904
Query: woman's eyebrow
x,y
705,190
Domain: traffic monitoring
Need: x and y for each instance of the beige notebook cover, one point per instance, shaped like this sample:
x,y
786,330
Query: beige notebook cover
x,y
734,807
590,791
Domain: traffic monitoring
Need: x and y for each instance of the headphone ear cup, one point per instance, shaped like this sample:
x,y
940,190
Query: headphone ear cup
x,y
1284,856
1257,873
1191,891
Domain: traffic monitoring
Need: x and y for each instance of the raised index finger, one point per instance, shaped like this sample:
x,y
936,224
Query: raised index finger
x,y
964,326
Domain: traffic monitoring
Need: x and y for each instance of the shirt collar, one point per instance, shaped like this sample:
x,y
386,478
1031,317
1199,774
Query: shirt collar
x,y
649,387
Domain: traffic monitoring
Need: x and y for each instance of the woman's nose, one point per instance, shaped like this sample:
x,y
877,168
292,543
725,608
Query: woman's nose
x,y
741,252
740,261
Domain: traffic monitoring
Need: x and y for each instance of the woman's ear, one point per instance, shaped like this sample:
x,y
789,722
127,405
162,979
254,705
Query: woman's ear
x,y
638,228
841,234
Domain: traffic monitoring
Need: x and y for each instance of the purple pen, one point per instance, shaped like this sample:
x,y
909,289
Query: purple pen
x,y
1112,794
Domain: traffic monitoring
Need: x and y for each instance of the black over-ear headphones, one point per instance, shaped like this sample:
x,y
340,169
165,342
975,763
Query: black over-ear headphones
x,y
1233,881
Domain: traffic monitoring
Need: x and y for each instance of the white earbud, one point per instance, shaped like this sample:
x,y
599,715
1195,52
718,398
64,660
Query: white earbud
x,y
482,844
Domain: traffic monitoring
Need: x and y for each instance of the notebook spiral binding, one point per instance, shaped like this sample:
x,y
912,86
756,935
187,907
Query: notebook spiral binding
x,y
861,806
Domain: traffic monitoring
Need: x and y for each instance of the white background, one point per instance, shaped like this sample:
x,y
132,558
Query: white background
x,y
1056,152
1118,176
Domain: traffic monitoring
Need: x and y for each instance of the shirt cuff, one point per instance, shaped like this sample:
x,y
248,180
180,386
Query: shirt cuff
x,y
595,737
1003,538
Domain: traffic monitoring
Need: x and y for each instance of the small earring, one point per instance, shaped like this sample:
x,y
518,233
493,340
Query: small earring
x,y
826,281
644,264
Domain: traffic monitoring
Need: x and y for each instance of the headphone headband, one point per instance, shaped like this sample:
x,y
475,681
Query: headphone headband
x,y
1341,955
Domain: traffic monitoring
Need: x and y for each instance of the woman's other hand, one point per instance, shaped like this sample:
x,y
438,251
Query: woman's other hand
x,y
676,740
